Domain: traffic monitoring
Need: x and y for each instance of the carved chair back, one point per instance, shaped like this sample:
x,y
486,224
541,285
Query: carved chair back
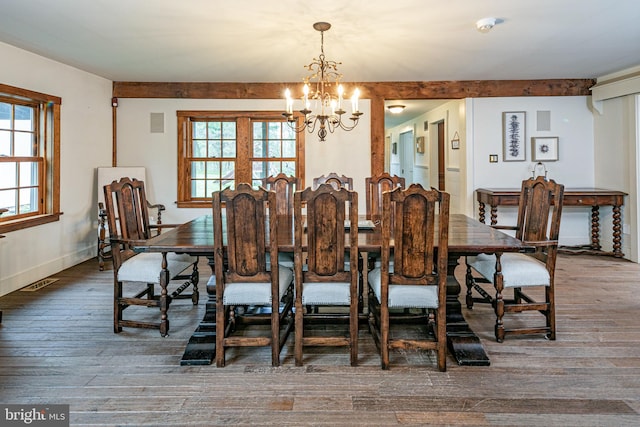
x,y
335,180
127,217
375,186
284,187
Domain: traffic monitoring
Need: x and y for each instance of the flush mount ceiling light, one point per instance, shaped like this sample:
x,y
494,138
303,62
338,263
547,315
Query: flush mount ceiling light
x,y
396,109
485,25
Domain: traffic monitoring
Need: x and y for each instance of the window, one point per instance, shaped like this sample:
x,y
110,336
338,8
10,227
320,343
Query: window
x,y
217,150
29,158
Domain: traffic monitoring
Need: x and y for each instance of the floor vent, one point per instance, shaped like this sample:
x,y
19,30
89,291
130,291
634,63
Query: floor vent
x,y
39,285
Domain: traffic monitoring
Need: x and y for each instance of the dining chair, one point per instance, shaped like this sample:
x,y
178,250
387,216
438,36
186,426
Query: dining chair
x,y
337,181
284,186
375,186
538,225
334,180
128,221
413,288
105,176
322,277
243,276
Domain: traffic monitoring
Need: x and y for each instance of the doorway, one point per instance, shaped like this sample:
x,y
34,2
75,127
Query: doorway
x,y
441,154
406,156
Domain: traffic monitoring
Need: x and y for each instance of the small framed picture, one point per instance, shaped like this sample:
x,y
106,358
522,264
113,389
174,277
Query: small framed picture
x,y
455,142
544,149
513,136
394,148
420,144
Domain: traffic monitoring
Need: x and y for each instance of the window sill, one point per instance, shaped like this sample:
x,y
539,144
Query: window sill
x,y
198,204
19,224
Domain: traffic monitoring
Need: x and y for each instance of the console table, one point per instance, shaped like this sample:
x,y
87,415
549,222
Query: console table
x,y
594,197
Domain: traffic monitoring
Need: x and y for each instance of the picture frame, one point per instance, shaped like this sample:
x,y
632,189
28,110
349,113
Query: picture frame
x,y
544,148
394,148
455,142
420,144
513,136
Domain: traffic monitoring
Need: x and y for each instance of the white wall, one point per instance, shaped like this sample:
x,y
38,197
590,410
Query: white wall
x,y
571,122
346,153
616,151
85,138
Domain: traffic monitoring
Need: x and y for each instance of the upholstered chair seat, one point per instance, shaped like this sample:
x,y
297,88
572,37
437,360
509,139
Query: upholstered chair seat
x,y
518,270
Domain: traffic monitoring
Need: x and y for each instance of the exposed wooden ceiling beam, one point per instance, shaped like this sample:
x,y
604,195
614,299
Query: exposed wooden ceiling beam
x,y
385,90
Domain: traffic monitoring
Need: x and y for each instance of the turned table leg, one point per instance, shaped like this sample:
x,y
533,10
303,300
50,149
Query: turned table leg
x,y
494,215
595,228
617,232
164,299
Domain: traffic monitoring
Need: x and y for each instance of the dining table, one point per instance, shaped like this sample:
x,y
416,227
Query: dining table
x,y
467,237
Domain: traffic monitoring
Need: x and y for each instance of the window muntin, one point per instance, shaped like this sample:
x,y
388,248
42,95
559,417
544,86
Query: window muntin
x,y
29,158
20,167
274,150
217,150
213,154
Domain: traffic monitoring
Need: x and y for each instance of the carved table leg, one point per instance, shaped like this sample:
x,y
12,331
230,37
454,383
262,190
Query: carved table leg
x,y
595,228
499,300
164,298
481,212
617,232
201,348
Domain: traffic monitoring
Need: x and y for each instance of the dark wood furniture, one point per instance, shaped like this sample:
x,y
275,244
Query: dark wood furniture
x,y
415,277
467,236
244,275
104,244
128,220
323,276
594,197
538,225
374,187
335,180
284,186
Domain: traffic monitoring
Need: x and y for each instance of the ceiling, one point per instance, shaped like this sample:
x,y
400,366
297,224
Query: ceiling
x,y
376,40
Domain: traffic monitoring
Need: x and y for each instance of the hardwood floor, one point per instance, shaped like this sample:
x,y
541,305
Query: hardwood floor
x,y
57,346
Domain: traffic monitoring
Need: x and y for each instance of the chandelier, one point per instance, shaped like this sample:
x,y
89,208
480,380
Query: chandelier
x,y
328,108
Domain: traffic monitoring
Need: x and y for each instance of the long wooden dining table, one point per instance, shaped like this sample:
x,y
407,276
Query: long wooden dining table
x,y
467,236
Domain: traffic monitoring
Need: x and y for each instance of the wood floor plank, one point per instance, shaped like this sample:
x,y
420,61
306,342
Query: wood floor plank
x,y
57,346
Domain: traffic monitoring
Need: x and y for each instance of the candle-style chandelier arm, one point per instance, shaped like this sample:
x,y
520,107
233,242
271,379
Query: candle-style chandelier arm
x,y
316,90
323,122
